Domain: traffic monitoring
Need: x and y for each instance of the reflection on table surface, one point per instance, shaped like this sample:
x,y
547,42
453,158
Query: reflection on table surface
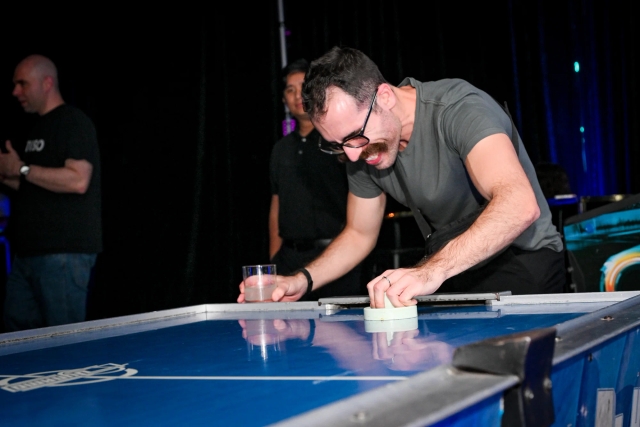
x,y
407,345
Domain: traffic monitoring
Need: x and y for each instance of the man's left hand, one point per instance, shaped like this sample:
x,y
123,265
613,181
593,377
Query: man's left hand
x,y
402,285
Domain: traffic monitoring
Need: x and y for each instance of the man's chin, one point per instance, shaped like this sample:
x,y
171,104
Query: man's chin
x,y
383,165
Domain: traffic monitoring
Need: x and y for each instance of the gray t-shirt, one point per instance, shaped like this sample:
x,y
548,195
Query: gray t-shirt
x,y
452,116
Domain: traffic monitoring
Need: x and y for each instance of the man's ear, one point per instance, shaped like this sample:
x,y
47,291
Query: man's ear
x,y
47,83
386,96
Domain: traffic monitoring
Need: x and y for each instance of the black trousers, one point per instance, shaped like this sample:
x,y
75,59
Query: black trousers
x,y
288,260
516,270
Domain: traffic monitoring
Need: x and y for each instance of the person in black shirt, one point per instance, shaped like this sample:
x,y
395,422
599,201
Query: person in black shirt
x,y
55,224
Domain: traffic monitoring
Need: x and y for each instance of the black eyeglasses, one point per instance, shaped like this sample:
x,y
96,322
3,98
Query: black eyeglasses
x,y
356,141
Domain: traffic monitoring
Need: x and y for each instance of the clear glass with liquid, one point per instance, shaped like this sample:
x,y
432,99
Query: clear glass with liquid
x,y
259,282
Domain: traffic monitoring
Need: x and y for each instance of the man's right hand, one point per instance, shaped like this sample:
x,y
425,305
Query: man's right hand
x,y
289,289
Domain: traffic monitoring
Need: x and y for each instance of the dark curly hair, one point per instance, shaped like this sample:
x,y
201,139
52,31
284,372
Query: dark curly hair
x,y
342,67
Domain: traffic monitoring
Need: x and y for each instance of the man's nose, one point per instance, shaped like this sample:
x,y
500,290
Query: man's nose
x,y
352,153
16,90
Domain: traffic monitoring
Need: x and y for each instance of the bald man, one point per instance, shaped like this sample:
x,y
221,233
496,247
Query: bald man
x,y
55,225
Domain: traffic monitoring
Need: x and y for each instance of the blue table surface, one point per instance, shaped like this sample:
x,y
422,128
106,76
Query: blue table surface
x,y
217,372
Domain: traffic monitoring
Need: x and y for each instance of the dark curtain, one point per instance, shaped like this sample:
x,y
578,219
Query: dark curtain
x,y
187,108
524,53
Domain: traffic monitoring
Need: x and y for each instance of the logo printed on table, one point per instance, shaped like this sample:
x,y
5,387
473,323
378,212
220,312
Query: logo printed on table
x,y
90,374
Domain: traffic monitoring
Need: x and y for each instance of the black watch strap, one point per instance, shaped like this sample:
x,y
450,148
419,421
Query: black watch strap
x,y
309,279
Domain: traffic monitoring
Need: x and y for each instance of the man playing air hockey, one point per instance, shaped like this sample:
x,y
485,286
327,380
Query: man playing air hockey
x,y
459,157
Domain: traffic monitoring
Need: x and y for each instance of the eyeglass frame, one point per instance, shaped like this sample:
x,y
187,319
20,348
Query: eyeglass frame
x,y
360,134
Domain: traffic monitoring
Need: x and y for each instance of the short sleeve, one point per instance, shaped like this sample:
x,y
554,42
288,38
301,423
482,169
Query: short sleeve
x,y
360,182
471,119
80,135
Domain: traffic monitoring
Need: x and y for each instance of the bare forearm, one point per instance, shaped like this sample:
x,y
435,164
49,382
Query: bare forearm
x,y
351,246
74,177
497,174
346,251
507,215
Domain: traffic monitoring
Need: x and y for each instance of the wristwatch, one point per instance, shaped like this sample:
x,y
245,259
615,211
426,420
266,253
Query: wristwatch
x,y
24,170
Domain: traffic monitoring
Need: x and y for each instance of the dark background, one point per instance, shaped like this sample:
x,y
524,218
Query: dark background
x,y
187,106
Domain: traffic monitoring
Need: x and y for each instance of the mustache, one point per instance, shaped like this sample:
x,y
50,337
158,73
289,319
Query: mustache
x,y
373,150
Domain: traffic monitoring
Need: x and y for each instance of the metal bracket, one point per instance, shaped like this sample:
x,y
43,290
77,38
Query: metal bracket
x,y
527,355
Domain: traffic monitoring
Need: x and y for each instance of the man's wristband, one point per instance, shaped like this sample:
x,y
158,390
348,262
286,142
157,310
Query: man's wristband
x,y
309,279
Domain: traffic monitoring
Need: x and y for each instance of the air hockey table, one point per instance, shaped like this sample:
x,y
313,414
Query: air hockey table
x,y
466,360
